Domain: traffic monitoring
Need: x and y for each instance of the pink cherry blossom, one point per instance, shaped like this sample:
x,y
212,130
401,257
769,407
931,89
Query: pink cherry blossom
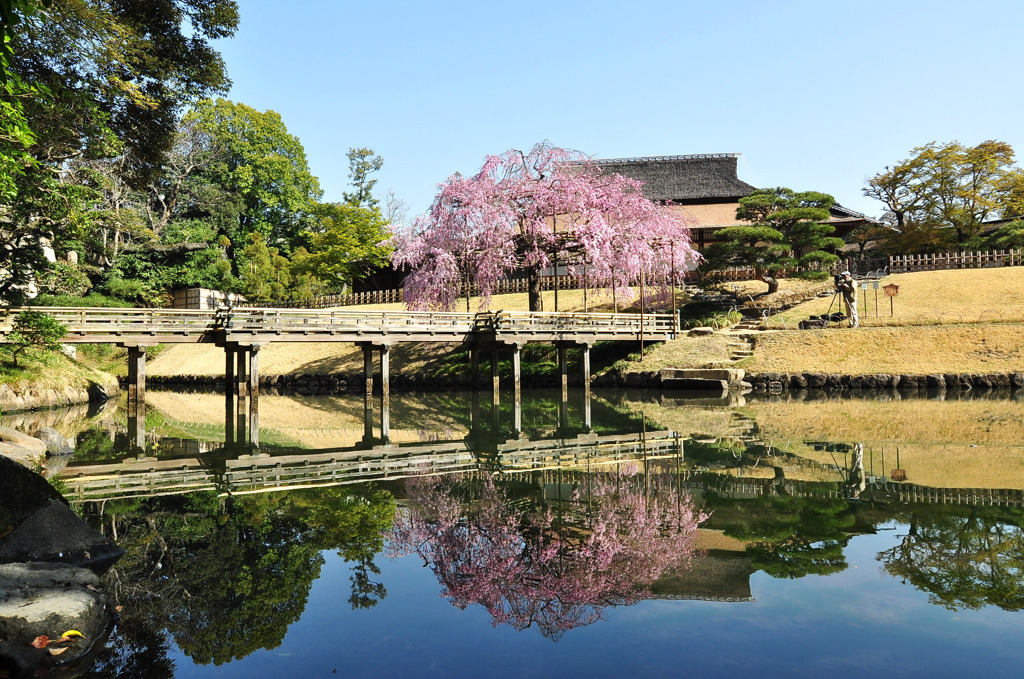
x,y
556,566
481,228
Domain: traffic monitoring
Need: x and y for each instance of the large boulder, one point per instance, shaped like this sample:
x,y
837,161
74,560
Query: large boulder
x,y
55,442
21,447
36,524
47,599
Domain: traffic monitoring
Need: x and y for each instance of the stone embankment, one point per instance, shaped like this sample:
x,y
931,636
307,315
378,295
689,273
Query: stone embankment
x,y
343,383
778,382
736,379
33,398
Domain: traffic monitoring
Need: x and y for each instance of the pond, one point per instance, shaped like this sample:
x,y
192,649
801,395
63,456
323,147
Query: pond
x,y
613,533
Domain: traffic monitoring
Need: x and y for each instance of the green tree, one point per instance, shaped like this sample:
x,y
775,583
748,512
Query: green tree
x,y
257,160
94,81
362,163
951,189
352,241
785,231
11,13
1007,236
264,272
34,330
962,558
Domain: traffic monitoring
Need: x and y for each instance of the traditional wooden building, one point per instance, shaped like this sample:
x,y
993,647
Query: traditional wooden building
x,y
706,188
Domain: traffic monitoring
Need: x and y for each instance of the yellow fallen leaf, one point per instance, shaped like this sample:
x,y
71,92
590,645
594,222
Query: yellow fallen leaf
x,y
57,651
72,633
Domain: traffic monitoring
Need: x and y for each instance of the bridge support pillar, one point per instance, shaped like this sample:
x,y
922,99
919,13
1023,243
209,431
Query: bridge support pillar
x,y
385,392
229,393
563,368
495,382
517,415
385,389
136,374
137,397
585,366
474,367
254,395
241,381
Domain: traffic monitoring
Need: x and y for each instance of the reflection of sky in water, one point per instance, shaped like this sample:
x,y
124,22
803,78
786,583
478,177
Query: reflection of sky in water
x,y
858,623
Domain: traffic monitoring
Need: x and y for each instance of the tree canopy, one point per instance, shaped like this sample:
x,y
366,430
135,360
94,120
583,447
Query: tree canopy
x,y
949,190
255,158
786,230
527,210
89,113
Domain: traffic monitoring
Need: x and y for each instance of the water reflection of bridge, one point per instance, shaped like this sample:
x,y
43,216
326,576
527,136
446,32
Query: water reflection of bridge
x,y
231,469
239,469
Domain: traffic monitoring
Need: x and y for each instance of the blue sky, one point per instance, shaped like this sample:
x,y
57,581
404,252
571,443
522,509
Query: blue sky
x,y
814,95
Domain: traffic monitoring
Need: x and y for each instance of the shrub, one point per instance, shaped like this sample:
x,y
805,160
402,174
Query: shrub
x,y
34,330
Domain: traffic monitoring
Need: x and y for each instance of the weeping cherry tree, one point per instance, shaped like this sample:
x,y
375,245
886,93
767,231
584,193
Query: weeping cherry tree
x,y
527,210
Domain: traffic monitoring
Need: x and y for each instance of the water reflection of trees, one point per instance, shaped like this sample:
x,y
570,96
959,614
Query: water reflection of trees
x,y
224,578
788,537
963,557
554,565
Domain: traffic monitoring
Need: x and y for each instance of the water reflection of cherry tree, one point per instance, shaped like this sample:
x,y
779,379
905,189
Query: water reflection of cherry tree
x,y
555,566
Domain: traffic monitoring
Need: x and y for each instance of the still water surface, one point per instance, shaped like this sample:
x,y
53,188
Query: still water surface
x,y
853,537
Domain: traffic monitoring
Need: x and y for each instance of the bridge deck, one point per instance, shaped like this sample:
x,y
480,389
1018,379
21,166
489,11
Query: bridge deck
x,y
255,325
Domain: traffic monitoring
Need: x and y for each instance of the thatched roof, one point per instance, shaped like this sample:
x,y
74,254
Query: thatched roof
x,y
698,177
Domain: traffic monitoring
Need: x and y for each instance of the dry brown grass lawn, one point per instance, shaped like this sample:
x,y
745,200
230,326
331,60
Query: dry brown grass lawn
x,y
930,297
925,298
985,348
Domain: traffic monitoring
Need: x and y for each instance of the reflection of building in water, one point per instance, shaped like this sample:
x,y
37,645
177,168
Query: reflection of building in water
x,y
714,576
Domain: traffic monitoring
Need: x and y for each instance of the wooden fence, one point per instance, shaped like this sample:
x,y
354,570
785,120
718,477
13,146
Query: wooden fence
x,y
955,260
565,282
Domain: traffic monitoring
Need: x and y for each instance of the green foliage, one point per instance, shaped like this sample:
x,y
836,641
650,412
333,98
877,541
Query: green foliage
x,y
262,164
36,331
945,192
93,299
351,242
90,100
65,279
698,314
362,163
786,231
1007,236
138,292
264,272
811,275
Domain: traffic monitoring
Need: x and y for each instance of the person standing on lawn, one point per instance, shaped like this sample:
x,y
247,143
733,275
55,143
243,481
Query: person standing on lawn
x,y
848,287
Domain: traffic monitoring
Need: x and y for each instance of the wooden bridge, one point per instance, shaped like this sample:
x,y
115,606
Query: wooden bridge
x,y
242,331
254,325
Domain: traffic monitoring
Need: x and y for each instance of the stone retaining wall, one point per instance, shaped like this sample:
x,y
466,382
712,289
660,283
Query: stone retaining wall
x,y
343,383
35,398
777,382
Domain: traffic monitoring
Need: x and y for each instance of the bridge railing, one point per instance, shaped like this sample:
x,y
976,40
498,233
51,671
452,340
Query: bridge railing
x,y
251,319
107,323
119,321
601,323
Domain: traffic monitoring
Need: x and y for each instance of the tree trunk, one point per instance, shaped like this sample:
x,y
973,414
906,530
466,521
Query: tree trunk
x,y
772,281
535,291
